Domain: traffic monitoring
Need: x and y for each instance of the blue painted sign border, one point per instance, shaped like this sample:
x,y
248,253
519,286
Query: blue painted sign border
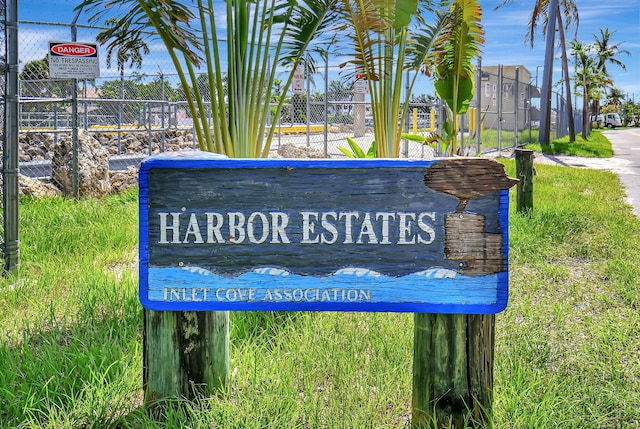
x,y
193,194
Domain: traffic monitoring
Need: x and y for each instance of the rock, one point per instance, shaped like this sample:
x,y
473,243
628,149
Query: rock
x,y
35,153
93,166
122,180
289,150
95,149
36,187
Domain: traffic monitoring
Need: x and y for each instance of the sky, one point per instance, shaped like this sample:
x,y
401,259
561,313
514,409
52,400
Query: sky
x,y
504,28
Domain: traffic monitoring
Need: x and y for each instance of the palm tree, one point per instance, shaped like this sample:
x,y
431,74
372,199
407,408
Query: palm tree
x,y
583,75
606,52
261,37
540,12
615,97
391,37
128,46
591,79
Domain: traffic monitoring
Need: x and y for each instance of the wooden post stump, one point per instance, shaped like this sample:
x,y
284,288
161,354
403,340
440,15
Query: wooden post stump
x,y
452,369
186,353
524,188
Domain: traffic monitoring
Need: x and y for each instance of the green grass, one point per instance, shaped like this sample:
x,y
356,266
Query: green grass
x,y
569,339
489,139
567,347
596,146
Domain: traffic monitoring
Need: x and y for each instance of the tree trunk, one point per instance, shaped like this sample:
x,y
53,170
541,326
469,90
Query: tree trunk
x,y
586,120
567,82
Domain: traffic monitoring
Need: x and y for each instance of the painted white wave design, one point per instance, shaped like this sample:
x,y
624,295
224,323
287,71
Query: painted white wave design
x,y
272,272
433,273
271,284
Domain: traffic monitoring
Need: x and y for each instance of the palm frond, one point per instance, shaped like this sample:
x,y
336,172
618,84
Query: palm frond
x,y
424,41
169,20
366,25
309,21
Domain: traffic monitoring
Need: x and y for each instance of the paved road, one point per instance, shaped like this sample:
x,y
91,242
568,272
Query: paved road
x,y
626,147
43,168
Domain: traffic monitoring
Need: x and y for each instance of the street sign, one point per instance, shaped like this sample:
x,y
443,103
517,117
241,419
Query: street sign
x,y
73,60
323,235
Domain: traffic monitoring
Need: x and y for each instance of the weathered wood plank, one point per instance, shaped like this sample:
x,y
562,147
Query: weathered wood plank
x,y
467,178
524,171
186,353
326,235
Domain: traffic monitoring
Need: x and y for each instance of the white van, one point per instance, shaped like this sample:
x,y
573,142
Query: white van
x,y
609,120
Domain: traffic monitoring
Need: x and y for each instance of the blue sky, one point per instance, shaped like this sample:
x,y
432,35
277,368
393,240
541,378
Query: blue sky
x,y
505,29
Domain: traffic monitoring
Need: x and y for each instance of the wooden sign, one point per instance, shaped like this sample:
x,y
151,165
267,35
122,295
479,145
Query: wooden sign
x,y
323,235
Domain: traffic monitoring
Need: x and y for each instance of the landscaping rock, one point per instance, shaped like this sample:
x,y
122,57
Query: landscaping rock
x,y
122,180
289,150
36,187
93,166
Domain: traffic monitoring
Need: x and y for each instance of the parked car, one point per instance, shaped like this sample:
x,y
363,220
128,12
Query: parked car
x,y
609,120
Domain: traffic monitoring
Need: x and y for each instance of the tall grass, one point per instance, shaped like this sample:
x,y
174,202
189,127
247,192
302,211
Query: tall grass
x,y
567,347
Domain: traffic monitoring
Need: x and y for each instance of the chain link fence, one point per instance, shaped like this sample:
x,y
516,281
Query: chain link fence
x,y
137,112
142,111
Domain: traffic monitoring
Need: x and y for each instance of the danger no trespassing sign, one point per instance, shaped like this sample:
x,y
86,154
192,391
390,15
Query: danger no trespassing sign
x,y
73,60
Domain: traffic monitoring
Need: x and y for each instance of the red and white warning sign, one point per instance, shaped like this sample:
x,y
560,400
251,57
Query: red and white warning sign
x,y
361,86
297,84
73,60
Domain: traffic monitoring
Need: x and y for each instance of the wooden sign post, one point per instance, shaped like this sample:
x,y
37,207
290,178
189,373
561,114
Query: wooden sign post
x,y
428,237
525,173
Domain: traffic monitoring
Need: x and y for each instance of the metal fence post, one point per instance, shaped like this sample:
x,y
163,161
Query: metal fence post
x,y
162,113
326,104
478,105
148,118
307,75
516,104
10,161
500,112
74,119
